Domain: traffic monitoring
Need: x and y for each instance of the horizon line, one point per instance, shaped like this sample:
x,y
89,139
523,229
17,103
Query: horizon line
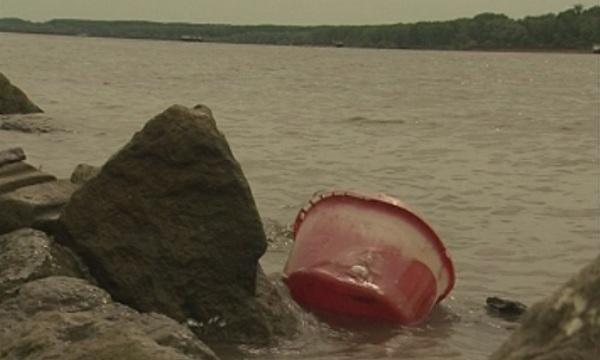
x,y
288,25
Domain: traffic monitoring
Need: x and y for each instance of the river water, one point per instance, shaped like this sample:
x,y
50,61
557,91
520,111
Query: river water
x,y
499,151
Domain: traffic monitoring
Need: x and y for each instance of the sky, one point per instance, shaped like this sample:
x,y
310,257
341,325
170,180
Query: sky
x,y
281,12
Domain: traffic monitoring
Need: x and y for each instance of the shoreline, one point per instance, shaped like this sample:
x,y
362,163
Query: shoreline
x,y
333,46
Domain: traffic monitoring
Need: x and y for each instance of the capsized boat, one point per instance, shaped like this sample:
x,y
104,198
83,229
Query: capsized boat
x,y
368,257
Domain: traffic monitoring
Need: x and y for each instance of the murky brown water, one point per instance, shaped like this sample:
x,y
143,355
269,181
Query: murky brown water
x,y
498,150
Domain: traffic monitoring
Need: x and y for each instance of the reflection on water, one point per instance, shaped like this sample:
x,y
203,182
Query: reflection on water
x,y
499,151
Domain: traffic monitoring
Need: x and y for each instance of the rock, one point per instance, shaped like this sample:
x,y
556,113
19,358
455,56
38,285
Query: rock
x,y
565,326
67,318
169,225
27,255
30,124
12,155
36,206
507,309
83,173
19,174
13,100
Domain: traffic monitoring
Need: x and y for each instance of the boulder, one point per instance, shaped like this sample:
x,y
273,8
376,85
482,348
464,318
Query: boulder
x,y
169,225
14,175
36,206
83,173
565,326
27,255
11,155
67,318
13,100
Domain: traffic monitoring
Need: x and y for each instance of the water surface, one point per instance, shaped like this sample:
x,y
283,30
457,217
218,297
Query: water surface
x,y
499,151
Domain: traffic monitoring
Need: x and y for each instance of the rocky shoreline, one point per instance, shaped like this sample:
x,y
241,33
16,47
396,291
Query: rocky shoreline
x,y
167,226
155,255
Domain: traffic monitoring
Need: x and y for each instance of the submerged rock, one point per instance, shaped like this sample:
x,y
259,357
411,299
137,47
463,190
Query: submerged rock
x,y
13,100
27,255
67,318
565,326
169,225
31,124
507,309
36,206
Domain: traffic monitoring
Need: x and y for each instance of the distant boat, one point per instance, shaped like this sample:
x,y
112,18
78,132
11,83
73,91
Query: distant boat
x,y
596,49
191,38
338,44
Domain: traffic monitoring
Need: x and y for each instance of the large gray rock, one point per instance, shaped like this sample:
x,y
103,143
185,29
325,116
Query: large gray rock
x,y
27,255
36,206
14,175
69,319
13,100
564,327
169,225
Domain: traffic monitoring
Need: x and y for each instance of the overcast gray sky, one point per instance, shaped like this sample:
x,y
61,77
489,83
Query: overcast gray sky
x,y
279,11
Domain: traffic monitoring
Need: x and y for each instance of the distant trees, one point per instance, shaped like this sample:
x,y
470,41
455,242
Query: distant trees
x,y
574,28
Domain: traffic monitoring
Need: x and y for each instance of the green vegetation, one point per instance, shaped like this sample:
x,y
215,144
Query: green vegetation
x,y
575,28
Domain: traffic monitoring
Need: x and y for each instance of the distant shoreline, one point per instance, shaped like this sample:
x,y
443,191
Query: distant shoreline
x,y
474,50
571,31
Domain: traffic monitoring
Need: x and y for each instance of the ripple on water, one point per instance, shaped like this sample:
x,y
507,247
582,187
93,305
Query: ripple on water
x,y
488,147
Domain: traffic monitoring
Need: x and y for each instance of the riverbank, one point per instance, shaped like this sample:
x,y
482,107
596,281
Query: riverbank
x,y
572,30
333,46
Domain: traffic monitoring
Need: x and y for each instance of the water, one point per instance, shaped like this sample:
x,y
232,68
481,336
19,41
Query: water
x,y
499,151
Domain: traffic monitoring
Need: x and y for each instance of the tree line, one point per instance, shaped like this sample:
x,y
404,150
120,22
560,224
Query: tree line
x,y
575,28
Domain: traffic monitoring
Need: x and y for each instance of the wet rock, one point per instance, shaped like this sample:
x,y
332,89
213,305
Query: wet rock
x,y
13,100
12,155
30,124
565,326
507,309
169,225
36,206
27,255
19,174
83,173
67,318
